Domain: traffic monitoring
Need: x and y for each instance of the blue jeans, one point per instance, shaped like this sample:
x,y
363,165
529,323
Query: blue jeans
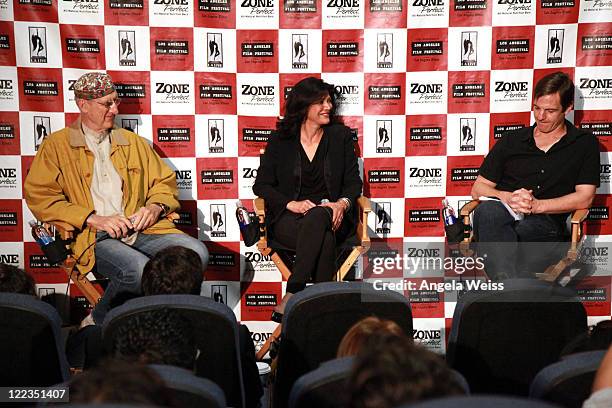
x,y
513,249
123,264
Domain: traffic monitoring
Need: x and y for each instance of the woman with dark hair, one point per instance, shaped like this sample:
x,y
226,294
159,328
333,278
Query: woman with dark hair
x,y
309,178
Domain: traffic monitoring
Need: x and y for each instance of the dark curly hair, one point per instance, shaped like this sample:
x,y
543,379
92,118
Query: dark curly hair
x,y
16,280
173,270
394,371
161,336
303,94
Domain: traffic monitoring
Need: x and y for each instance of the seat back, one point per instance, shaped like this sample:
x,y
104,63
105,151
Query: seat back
x,y
216,333
569,381
481,401
324,387
499,340
189,390
317,318
31,347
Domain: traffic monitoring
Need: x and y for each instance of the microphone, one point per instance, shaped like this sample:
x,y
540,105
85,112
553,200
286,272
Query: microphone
x,y
105,235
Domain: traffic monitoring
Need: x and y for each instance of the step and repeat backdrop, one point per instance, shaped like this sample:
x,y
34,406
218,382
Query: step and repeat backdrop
x,y
427,87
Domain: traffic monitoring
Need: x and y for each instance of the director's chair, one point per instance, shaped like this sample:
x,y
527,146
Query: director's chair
x,y
66,233
553,272
358,245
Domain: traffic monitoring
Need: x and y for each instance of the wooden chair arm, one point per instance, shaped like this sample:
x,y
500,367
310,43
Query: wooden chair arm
x,y
468,208
364,208
363,204
259,206
578,216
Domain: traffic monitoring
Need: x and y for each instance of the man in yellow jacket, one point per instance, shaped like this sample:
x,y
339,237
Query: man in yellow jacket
x,y
108,183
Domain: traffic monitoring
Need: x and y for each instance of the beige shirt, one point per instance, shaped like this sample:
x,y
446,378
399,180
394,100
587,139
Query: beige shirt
x,y
106,190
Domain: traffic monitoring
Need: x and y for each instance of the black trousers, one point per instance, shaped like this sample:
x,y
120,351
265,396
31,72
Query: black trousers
x,y
314,242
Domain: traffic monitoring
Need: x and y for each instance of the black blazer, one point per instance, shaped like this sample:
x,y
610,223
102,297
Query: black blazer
x,y
279,176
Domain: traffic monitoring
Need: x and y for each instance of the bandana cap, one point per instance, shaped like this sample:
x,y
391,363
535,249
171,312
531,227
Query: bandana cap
x,y
93,85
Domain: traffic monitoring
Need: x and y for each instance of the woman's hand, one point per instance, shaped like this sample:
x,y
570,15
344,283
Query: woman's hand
x,y
300,207
338,209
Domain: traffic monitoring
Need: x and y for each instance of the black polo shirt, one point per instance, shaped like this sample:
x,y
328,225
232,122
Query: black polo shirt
x,y
516,162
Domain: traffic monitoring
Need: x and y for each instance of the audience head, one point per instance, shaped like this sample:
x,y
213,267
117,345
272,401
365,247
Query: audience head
x,y
173,270
395,371
364,332
16,280
305,93
161,336
116,381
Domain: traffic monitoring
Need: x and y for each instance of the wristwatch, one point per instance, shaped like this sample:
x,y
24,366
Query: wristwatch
x,y
164,209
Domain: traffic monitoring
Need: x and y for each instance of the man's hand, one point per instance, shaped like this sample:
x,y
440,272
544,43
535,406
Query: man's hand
x,y
117,226
521,201
300,207
145,217
338,209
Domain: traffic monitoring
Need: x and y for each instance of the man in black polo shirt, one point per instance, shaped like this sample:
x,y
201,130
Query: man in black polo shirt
x,y
542,173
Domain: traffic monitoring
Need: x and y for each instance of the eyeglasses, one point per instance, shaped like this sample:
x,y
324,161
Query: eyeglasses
x,y
109,104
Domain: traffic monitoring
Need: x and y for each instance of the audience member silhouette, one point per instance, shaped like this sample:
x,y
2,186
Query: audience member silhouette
x,y
366,332
16,280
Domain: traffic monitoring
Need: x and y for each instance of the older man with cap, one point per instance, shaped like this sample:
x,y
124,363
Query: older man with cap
x,y
108,183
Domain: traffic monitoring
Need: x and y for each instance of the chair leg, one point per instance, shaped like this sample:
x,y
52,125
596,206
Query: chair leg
x,y
348,262
266,346
280,265
89,291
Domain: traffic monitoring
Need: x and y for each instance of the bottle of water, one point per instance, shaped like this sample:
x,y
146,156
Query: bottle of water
x,y
242,215
40,234
448,213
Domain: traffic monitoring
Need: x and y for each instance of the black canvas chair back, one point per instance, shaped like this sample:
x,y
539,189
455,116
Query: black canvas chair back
x,y
190,391
324,387
317,318
499,340
569,381
31,349
481,401
216,333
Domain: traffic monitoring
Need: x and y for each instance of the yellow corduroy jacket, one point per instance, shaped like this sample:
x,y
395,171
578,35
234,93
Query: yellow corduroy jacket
x,y
57,187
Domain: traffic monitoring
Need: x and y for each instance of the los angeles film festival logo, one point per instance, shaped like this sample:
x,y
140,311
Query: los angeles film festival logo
x,y
469,42
299,59
218,293
42,128
127,48
215,50
467,140
38,45
384,57
554,54
216,132
384,135
217,221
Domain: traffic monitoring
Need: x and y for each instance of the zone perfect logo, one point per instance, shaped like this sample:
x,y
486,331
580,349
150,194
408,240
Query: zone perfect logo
x,y
259,7
512,90
600,87
8,177
347,93
426,176
427,92
173,6
515,5
6,89
10,259
258,93
429,7
183,179
90,5
344,7
173,92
